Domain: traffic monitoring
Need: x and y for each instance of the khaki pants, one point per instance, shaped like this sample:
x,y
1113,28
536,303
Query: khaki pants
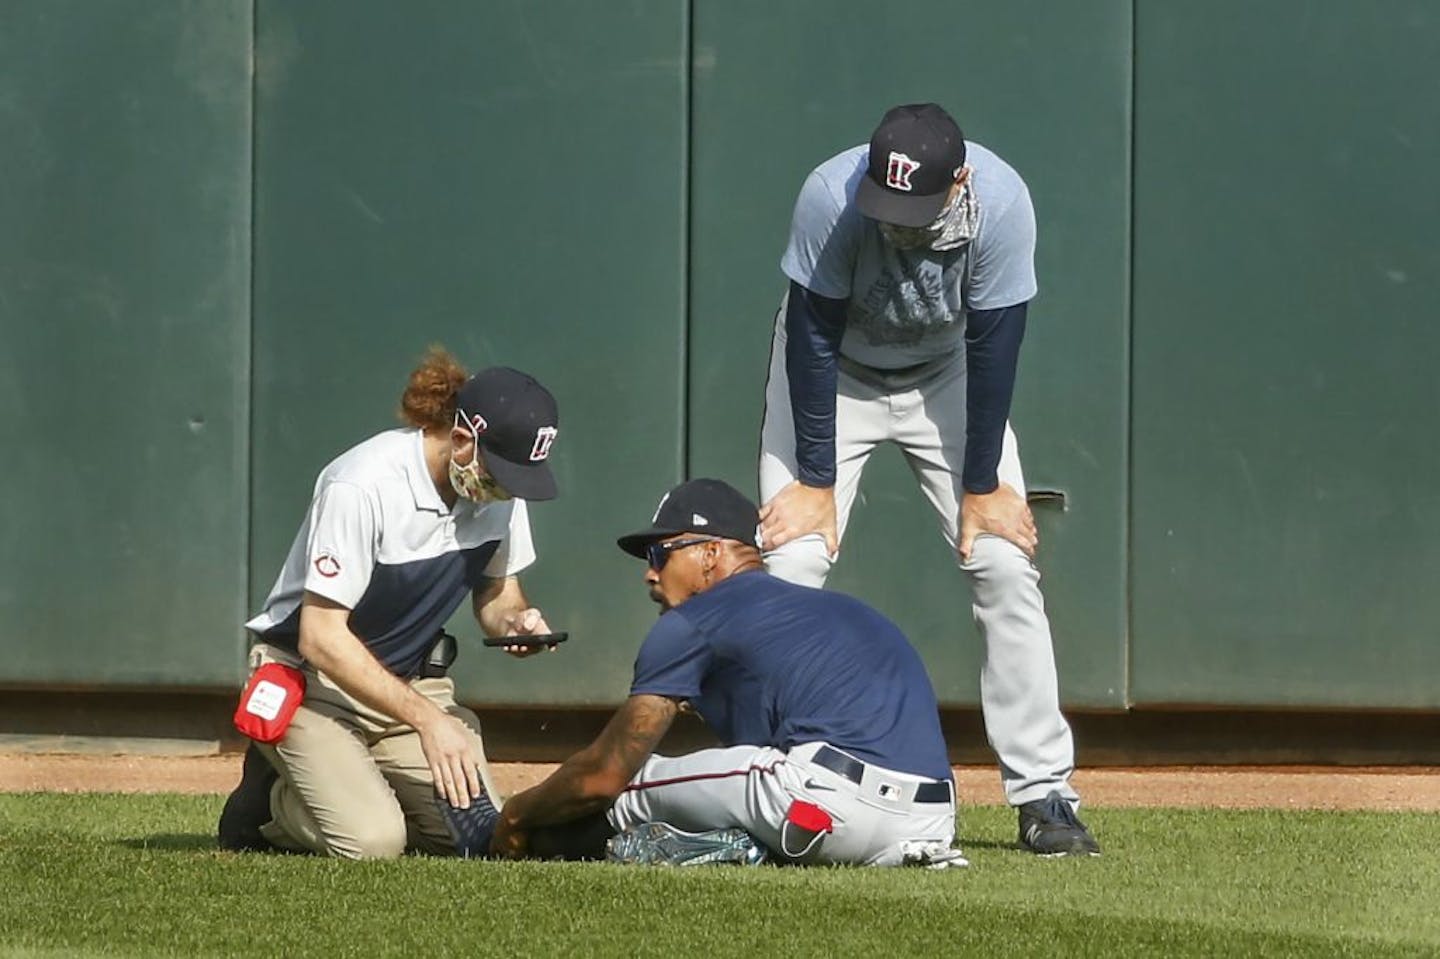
x,y
354,783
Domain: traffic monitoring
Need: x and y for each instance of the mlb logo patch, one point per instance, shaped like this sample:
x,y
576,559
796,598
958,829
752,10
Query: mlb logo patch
x,y
898,171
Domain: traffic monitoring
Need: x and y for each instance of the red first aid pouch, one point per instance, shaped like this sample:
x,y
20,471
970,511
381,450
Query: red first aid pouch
x,y
269,701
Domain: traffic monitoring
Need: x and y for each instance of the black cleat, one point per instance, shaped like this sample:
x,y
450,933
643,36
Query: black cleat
x,y
1049,827
248,807
470,829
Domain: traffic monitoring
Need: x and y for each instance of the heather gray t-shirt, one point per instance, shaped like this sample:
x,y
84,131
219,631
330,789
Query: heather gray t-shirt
x,y
908,306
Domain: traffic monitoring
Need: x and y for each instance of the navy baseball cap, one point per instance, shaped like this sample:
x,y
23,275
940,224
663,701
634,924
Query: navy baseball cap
x,y
709,507
515,421
915,155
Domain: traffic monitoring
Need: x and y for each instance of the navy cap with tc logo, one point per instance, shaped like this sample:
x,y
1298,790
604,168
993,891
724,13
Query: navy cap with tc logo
x,y
710,507
915,154
515,421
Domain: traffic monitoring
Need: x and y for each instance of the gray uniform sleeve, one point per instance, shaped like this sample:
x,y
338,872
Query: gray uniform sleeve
x,y
821,253
1003,270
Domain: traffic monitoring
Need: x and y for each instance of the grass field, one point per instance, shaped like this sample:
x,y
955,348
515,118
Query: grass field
x,y
139,875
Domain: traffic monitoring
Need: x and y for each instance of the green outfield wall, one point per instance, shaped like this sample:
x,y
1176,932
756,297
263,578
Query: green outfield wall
x,y
125,311
228,230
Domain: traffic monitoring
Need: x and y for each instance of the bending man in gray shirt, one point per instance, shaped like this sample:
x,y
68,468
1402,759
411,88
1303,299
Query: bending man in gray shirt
x,y
911,264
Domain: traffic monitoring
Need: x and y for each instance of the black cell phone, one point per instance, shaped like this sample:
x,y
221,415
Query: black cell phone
x,y
529,642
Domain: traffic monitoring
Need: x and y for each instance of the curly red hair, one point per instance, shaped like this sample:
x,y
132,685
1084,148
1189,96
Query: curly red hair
x,y
429,398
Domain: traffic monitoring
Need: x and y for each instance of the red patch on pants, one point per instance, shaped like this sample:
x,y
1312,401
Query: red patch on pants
x,y
805,825
810,817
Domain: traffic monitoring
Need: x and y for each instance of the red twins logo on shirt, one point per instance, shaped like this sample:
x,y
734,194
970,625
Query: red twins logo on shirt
x,y
897,174
544,436
327,565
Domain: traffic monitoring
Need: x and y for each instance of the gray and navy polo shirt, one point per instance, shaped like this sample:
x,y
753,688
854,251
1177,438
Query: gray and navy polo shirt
x,y
379,540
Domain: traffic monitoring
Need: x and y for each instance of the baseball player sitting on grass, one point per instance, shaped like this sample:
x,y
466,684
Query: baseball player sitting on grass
x,y
402,528
911,264
833,751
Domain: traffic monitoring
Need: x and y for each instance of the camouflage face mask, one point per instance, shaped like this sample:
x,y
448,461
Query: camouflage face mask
x,y
952,228
907,237
468,481
958,223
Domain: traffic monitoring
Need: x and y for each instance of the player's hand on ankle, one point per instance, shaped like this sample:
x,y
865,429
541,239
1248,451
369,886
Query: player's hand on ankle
x,y
508,842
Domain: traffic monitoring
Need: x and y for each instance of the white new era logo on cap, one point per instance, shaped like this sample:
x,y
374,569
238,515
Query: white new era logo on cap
x,y
698,520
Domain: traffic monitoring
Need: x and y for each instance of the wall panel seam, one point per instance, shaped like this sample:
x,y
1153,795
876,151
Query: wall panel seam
x,y
1127,481
687,124
247,570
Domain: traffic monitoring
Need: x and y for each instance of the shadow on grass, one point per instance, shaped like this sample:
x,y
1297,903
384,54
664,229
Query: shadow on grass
x,y
173,842
986,844
205,842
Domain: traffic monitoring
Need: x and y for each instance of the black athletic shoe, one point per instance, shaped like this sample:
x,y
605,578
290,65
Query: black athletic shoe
x,y
248,807
1049,827
470,829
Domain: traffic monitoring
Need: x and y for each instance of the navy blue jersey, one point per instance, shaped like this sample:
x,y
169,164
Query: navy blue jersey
x,y
769,663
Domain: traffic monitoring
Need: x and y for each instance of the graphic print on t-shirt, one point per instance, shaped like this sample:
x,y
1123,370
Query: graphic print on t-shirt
x,y
905,300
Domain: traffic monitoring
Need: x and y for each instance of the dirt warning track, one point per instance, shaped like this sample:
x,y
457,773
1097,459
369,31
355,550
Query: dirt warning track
x,y
1227,787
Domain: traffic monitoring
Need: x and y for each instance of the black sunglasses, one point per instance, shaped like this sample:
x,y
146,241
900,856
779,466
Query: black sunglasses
x,y
658,553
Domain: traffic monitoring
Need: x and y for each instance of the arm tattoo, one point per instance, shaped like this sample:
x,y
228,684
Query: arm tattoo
x,y
637,729
616,755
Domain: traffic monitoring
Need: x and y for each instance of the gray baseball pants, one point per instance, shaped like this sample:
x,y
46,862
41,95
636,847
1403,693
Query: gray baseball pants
x,y
1019,692
878,821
